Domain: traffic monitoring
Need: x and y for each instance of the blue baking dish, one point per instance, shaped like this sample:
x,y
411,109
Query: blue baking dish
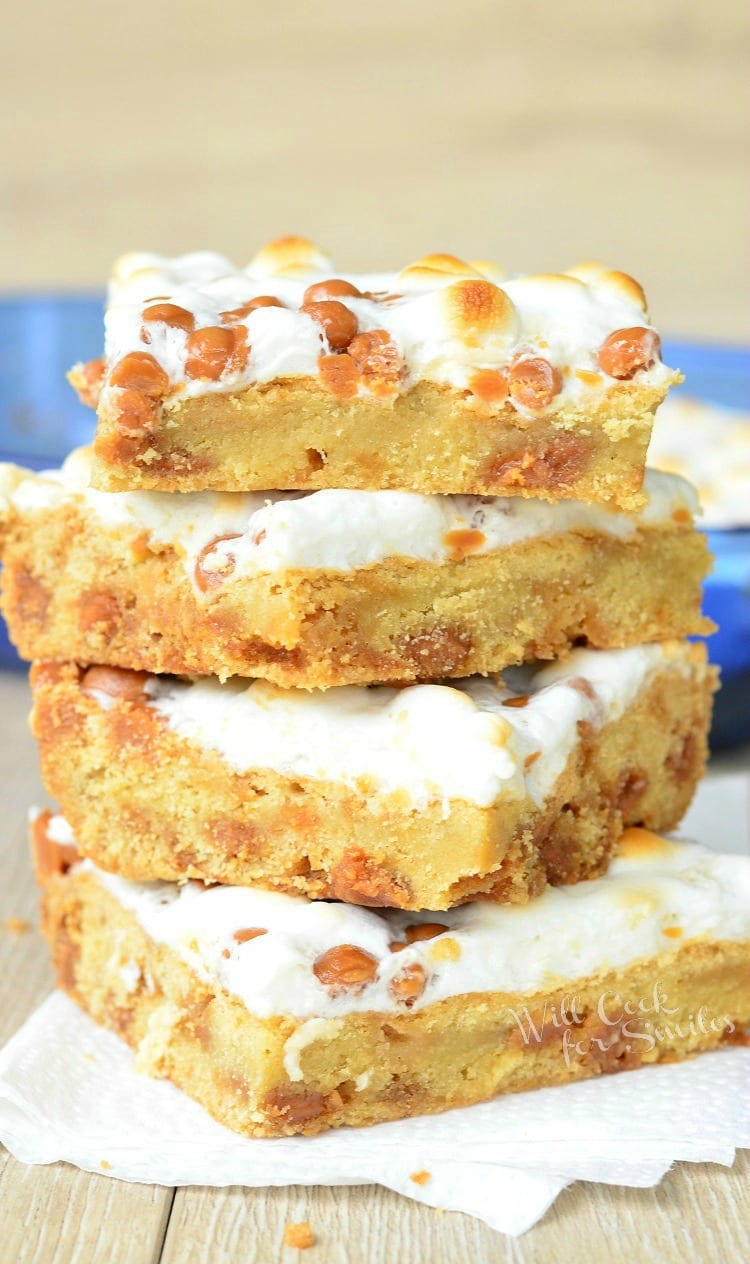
x,y
42,335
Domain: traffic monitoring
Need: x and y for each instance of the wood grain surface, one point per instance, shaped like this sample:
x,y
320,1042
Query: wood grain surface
x,y
58,1215
536,134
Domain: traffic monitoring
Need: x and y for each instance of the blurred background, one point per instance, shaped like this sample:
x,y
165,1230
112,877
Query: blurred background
x,y
537,134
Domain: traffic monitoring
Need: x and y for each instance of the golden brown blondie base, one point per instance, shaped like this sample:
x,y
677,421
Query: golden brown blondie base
x,y
295,434
443,377
73,589
279,1075
146,802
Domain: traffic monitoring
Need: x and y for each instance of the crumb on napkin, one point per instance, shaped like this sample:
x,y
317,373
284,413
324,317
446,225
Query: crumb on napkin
x,y
300,1236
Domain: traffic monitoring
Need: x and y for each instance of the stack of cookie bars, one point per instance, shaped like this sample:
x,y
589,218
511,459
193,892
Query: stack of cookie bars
x,y
355,773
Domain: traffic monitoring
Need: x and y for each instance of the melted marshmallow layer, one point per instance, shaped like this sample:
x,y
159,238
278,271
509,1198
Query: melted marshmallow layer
x,y
445,319
468,740
339,530
656,895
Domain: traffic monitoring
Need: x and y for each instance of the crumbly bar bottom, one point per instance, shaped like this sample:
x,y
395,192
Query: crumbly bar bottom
x,y
148,804
368,1067
72,590
292,433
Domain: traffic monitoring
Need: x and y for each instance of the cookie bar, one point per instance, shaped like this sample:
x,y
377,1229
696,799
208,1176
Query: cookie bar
x,y
445,377
280,1016
421,797
337,587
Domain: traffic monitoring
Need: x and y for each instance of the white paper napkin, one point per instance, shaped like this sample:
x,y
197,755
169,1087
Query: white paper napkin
x,y
68,1091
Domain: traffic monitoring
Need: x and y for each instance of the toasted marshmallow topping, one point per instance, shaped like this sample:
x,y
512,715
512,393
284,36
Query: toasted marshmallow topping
x,y
649,904
434,743
711,447
336,530
444,320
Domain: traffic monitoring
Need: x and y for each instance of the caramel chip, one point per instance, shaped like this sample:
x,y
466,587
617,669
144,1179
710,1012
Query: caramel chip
x,y
423,930
252,305
377,358
140,371
205,577
626,351
169,314
133,413
489,385
117,682
335,288
408,985
339,374
344,967
534,382
463,542
252,932
214,350
338,324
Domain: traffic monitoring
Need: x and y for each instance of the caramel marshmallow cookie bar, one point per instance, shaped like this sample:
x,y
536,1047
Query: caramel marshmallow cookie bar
x,y
445,377
421,797
337,587
280,1016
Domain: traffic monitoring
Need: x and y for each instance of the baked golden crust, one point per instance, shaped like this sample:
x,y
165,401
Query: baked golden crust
x,y
293,433
147,803
74,589
367,1067
437,378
